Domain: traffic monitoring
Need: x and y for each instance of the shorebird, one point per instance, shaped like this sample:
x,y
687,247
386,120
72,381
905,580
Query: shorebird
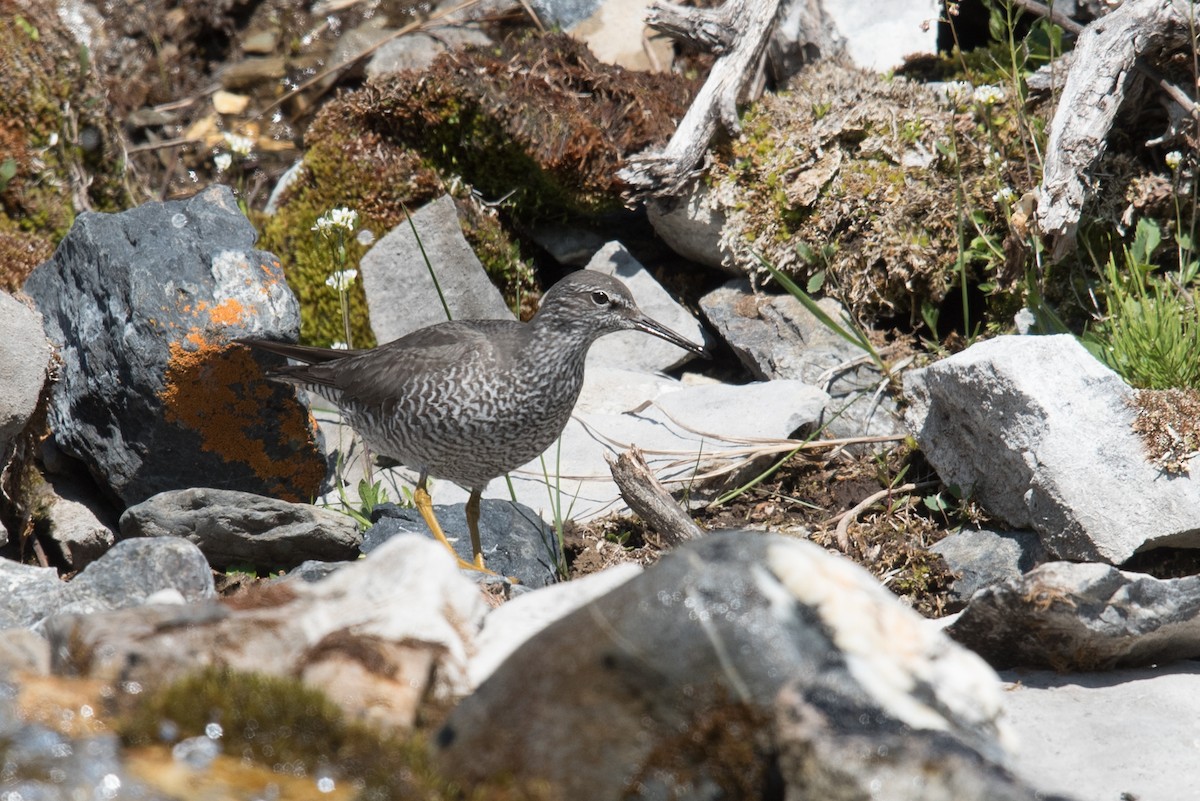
x,y
470,400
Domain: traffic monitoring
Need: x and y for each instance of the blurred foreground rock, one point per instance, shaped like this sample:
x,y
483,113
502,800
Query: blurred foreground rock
x,y
731,649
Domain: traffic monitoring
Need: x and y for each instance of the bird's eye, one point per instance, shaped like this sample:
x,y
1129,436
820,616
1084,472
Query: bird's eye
x,y
600,298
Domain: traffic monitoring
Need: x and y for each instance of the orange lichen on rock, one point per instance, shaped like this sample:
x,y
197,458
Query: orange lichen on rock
x,y
217,392
228,312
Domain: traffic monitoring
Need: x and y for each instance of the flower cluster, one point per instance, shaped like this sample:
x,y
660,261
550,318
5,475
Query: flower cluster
x,y
989,95
239,145
342,217
341,280
1173,160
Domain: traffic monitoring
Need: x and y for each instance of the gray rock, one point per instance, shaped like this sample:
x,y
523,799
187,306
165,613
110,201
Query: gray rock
x,y
129,574
698,648
691,225
312,570
509,625
880,40
563,14
775,337
1120,734
134,571
418,49
1040,434
401,295
516,542
24,359
634,350
235,528
27,593
142,306
25,651
983,557
1069,616
75,519
567,245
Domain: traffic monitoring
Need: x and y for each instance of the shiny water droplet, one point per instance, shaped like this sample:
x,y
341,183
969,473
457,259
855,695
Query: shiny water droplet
x,y
179,220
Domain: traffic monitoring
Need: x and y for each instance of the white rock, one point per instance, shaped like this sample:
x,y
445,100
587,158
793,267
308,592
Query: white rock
x,y
1040,433
1108,736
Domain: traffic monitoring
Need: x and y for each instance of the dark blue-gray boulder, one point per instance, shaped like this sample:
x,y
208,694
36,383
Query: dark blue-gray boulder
x,y
142,306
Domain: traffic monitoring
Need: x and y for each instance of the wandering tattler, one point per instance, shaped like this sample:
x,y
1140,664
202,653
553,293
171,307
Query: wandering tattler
x,y
470,400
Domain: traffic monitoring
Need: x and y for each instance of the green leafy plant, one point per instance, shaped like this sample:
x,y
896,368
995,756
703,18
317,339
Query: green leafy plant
x,y
1150,330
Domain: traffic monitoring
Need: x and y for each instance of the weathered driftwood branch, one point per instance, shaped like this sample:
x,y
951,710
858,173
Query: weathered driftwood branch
x,y
1103,74
742,28
650,500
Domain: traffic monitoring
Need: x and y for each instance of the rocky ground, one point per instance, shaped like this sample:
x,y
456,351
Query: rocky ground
x,y
892,565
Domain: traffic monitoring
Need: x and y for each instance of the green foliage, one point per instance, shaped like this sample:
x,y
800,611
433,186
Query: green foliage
x,y
1150,331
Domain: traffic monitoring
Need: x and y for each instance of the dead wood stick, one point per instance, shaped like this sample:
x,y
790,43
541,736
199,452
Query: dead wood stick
x,y
1104,71
649,500
849,516
739,31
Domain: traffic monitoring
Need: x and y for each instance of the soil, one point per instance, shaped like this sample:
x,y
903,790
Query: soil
x,y
805,498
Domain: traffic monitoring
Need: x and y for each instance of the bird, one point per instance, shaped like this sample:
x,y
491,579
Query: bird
x,y
470,400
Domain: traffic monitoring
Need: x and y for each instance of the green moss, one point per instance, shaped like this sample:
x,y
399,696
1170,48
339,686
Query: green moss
x,y
60,146
273,721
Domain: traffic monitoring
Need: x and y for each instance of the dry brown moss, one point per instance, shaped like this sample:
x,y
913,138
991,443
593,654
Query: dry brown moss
x,y
1168,421
853,159
540,118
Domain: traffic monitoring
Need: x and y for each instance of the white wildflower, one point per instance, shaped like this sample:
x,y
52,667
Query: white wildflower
x,y
341,280
989,95
239,145
993,160
1173,159
222,161
957,92
341,217
339,345
1005,195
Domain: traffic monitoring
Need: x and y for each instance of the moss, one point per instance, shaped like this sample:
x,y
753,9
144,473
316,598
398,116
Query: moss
x,y
537,120
847,158
20,253
56,136
279,721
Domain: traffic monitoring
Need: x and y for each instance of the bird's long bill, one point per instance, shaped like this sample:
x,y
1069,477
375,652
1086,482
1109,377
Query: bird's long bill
x,y
659,330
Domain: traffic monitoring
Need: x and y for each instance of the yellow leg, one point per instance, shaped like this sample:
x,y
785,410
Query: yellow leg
x,y
425,507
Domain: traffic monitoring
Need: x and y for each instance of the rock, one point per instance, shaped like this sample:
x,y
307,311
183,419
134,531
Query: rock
x,y
775,337
1002,421
379,635
616,33
24,359
23,650
1069,616
983,557
563,14
508,626
142,305
879,37
238,528
1120,734
72,516
400,293
417,50
133,572
697,649
691,226
516,543
27,593
635,350
573,246
127,575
